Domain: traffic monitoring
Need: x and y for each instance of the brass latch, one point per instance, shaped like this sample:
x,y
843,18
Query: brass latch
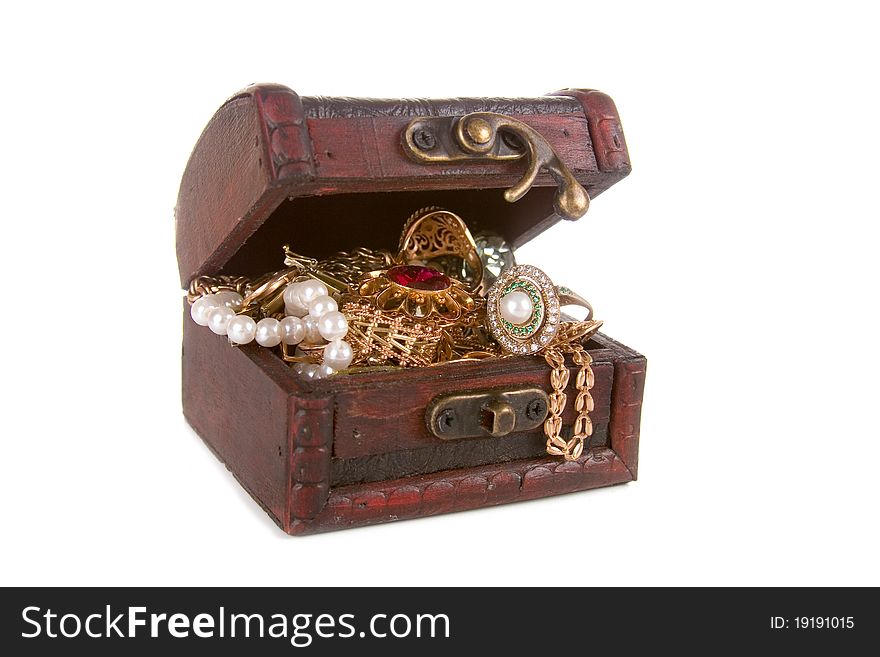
x,y
475,137
486,412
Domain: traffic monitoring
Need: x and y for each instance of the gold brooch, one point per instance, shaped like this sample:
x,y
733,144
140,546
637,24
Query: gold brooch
x,y
418,291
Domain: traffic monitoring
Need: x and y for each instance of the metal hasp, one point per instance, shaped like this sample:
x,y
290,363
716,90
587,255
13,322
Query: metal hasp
x,y
475,137
474,414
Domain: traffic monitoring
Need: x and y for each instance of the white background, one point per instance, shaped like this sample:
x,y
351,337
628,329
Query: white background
x,y
739,256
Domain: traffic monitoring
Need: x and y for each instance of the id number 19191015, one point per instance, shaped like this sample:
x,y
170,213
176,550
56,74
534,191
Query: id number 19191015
x,y
824,622
814,622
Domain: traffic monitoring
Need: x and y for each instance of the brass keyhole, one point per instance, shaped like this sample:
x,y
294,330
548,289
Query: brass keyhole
x,y
476,414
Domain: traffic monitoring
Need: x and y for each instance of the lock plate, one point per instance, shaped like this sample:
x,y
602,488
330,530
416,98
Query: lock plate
x,y
481,413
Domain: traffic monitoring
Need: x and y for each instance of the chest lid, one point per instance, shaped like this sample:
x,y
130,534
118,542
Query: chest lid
x,y
329,174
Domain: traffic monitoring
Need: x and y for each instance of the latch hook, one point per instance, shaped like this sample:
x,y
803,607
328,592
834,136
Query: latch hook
x,y
475,136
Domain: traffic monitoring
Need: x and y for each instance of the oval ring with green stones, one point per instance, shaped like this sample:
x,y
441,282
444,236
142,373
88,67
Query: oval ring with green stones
x,y
523,309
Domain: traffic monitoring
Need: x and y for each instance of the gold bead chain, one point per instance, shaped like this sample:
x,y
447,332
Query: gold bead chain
x,y
570,449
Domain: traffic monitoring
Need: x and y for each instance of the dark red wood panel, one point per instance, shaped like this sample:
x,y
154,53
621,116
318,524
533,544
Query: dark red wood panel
x,y
239,406
461,490
311,443
606,131
387,414
370,148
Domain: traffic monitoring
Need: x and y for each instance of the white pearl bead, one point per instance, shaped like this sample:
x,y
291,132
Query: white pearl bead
x,y
310,371
292,305
307,291
229,298
333,325
290,296
295,311
322,305
338,354
292,330
218,318
241,329
268,332
313,334
201,307
325,371
516,307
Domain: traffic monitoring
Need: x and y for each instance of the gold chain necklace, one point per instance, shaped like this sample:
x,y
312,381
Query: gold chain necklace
x,y
572,448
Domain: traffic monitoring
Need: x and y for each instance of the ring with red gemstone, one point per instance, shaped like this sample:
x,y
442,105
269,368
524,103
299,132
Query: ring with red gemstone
x,y
441,239
418,291
523,310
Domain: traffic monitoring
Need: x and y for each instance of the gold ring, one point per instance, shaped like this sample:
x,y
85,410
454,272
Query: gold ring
x,y
523,312
569,298
432,236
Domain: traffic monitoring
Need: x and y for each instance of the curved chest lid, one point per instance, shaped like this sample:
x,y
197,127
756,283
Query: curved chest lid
x,y
329,174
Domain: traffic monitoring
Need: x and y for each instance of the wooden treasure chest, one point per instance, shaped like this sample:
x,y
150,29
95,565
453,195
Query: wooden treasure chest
x,y
359,343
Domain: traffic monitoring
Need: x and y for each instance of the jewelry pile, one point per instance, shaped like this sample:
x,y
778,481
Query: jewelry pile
x,y
443,297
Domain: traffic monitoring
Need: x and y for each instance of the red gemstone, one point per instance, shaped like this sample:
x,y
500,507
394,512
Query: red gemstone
x,y
417,277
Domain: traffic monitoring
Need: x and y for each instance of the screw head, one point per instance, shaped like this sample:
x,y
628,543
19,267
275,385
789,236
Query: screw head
x,y
513,142
424,139
445,420
536,409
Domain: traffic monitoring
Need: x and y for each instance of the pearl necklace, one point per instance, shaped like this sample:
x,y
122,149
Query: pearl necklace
x,y
311,317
